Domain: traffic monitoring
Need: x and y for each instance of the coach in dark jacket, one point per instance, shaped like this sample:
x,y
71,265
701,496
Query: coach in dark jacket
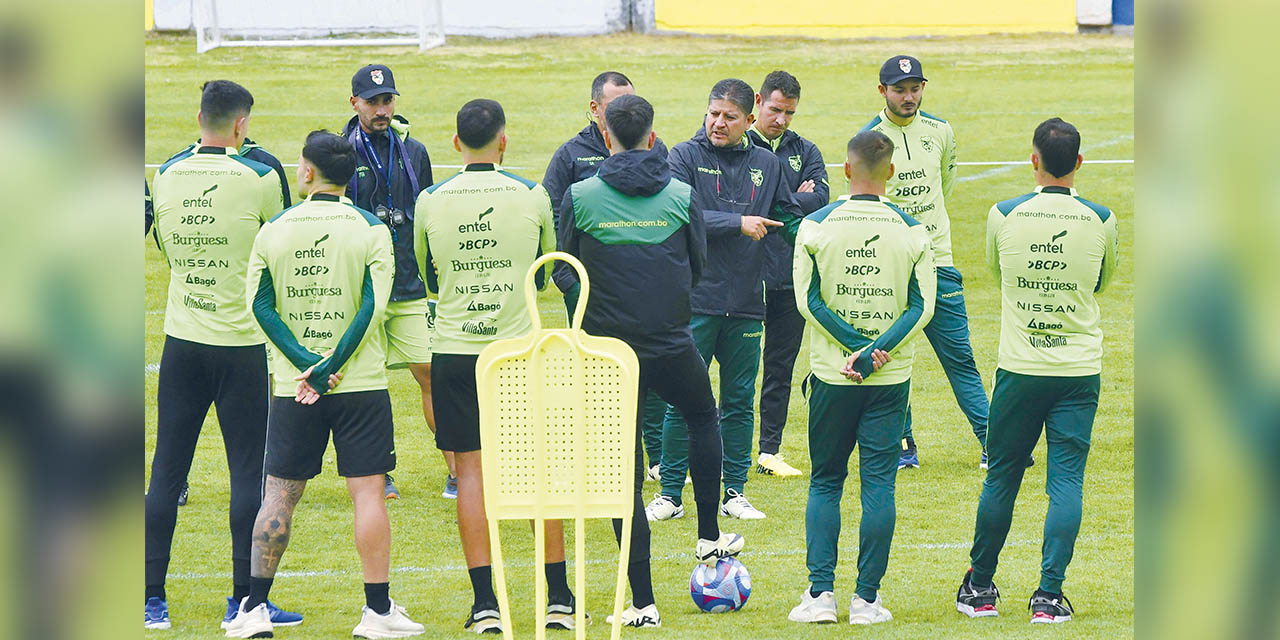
x,y
642,240
805,175
580,157
741,192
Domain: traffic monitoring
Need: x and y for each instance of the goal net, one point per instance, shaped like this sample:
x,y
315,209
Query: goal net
x,y
309,23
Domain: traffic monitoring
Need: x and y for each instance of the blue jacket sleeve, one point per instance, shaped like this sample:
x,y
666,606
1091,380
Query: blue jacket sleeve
x,y
557,179
814,168
567,240
697,233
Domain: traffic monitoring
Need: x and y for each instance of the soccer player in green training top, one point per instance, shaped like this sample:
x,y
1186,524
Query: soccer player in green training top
x,y
866,283
1050,250
924,156
319,279
209,203
476,235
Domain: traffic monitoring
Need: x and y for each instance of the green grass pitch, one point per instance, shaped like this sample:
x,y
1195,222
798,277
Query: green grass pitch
x,y
993,90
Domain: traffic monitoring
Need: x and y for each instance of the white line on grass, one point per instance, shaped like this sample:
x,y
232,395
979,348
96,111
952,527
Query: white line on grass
x,y
669,557
989,173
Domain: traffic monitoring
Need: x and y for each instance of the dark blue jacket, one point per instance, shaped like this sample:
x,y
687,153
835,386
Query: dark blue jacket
x,y
729,183
643,243
254,151
801,161
368,190
576,160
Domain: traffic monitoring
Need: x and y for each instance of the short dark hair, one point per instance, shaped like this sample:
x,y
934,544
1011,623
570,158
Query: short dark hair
x,y
780,80
735,91
223,101
630,119
332,155
608,77
871,148
1059,145
479,122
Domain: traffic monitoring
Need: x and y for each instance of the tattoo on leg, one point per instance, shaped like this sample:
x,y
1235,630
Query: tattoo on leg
x,y
271,529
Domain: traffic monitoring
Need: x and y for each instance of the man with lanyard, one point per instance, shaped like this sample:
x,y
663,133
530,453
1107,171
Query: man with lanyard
x,y
576,160
392,170
865,281
1050,250
318,282
634,218
740,189
806,176
209,203
925,157
476,235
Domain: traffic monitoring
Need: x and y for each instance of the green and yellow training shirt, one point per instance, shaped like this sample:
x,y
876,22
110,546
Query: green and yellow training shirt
x,y
1051,250
924,171
319,279
475,235
209,204
865,280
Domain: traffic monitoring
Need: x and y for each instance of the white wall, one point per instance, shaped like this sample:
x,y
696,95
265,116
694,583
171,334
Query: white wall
x,y
1093,12
492,18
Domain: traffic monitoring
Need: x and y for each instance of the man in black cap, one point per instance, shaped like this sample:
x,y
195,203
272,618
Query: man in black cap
x,y
391,170
924,160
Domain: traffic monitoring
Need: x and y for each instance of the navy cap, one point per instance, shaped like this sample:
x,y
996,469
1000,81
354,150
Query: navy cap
x,y
899,68
373,80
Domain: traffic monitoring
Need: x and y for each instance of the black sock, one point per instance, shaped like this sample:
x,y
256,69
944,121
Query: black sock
x,y
708,525
376,597
258,590
239,592
641,584
557,583
813,593
482,587
155,591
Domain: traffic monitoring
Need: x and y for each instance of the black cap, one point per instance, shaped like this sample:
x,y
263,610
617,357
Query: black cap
x,y
899,68
373,80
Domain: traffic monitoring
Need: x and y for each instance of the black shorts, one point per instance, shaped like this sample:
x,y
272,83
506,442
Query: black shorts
x,y
453,393
363,435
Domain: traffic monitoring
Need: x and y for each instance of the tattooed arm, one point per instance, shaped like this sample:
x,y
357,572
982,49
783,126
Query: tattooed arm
x,y
272,528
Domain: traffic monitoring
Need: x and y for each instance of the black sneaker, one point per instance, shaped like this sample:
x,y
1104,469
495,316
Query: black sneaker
x,y
560,616
484,618
975,602
390,492
182,497
909,458
1047,608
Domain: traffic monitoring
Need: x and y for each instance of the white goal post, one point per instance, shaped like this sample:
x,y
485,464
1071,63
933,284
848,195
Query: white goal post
x,y
310,23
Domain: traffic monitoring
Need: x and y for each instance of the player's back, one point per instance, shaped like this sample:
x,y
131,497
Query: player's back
x,y
482,229
327,262
1052,250
209,203
859,259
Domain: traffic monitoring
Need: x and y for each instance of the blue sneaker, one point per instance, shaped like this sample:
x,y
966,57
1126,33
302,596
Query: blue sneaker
x,y
155,614
279,617
450,488
909,457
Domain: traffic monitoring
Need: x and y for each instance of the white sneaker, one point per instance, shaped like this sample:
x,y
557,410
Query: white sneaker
x,y
640,618
738,507
772,465
821,609
250,624
655,473
663,508
863,612
709,552
561,617
395,624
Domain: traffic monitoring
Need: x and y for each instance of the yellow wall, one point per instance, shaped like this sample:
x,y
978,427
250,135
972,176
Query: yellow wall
x,y
865,18
148,15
